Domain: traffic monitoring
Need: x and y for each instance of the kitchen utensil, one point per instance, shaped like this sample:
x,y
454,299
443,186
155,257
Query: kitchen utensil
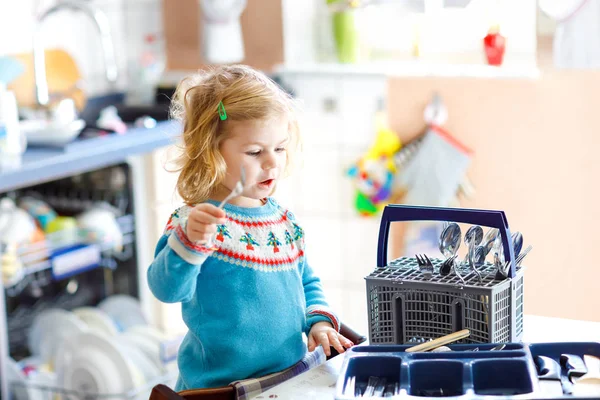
x,y
449,244
349,389
473,237
425,265
477,260
574,366
517,239
499,347
427,346
522,255
450,240
447,266
395,279
489,239
502,271
549,375
371,384
589,384
379,388
237,189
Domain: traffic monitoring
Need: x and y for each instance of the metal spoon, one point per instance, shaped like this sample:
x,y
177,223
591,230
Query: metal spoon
x,y
237,189
449,244
450,240
473,237
490,239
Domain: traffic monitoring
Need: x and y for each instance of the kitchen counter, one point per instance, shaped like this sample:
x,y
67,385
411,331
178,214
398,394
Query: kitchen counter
x,y
46,164
319,382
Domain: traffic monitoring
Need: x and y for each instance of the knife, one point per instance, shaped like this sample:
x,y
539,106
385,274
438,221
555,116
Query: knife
x,y
549,376
574,365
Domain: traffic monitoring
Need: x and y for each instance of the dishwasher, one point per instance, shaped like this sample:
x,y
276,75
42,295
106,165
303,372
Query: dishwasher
x,y
74,323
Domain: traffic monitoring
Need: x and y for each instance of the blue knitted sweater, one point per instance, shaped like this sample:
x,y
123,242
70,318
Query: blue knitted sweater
x,y
246,302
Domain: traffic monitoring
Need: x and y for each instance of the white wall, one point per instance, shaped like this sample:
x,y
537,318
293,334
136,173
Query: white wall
x,y
387,32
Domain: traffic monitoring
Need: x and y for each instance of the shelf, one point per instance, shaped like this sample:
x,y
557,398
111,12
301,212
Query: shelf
x,y
43,164
413,69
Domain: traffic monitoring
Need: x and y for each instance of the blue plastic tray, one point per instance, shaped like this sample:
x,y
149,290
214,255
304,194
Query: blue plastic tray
x,y
508,373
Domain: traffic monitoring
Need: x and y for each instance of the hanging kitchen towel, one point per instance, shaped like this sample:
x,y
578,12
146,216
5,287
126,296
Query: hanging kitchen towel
x,y
435,172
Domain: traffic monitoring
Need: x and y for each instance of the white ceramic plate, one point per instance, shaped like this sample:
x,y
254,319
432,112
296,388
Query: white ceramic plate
x,y
124,310
142,362
49,329
97,320
148,346
97,364
150,332
14,374
46,134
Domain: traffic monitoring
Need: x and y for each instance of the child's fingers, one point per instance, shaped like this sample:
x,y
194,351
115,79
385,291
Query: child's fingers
x,y
311,343
347,343
212,210
335,341
206,218
201,229
324,341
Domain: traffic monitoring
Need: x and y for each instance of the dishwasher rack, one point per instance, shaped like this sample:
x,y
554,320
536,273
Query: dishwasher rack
x,y
115,272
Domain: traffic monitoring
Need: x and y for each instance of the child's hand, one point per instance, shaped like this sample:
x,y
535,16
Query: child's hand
x,y
202,222
322,333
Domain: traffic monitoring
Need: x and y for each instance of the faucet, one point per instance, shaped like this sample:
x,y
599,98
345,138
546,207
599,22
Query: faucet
x,y
39,60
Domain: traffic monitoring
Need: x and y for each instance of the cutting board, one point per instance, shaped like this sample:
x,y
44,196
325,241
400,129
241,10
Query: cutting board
x,y
62,74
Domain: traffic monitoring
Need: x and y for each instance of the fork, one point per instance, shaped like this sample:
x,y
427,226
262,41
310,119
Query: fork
x,y
425,265
235,192
502,272
237,189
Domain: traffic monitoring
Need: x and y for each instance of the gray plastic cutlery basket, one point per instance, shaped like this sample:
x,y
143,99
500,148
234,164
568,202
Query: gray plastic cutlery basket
x,y
404,305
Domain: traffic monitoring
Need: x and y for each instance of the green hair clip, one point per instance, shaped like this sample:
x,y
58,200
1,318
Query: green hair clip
x,y
222,112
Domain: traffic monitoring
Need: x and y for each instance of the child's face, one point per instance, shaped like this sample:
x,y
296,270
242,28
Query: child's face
x,y
260,147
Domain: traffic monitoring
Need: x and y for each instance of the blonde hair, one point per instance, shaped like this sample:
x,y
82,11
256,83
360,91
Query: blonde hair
x,y
246,95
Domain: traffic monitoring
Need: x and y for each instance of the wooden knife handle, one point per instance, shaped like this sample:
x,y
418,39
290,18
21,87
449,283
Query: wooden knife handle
x,y
441,341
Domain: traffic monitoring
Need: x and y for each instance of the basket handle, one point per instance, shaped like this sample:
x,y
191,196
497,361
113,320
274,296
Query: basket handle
x,y
489,218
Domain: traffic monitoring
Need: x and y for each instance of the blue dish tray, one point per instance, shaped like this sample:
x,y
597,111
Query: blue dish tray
x,y
462,374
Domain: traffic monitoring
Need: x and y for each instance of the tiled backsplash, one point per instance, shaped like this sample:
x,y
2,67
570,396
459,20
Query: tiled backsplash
x,y
339,126
130,21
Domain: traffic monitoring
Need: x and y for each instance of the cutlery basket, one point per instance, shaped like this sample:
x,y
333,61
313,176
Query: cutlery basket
x,y
460,373
404,305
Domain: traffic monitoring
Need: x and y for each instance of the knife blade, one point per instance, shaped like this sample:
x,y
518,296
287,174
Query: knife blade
x,y
549,376
574,366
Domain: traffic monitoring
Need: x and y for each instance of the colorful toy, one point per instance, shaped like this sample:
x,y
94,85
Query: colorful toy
x,y
374,173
